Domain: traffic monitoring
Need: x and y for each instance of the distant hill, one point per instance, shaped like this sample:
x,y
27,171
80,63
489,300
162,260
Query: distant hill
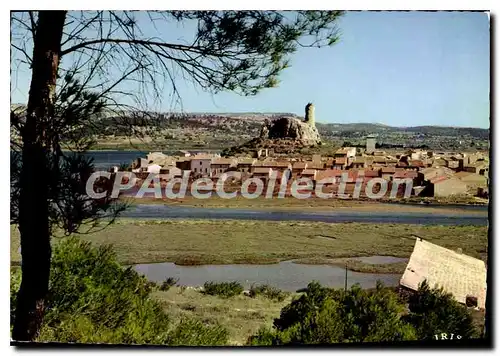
x,y
248,124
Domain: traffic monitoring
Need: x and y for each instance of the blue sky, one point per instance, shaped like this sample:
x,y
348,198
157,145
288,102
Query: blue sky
x,y
394,68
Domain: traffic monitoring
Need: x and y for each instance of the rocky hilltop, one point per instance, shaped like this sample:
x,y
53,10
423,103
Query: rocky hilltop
x,y
283,135
289,128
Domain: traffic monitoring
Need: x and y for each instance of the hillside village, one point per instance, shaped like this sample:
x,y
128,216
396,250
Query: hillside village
x,y
434,174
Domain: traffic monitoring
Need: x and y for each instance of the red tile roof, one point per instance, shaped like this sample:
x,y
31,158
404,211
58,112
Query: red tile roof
x,y
406,174
308,172
372,172
439,179
262,170
299,165
329,173
388,169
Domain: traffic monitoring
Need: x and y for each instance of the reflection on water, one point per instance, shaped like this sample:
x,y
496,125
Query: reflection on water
x,y
286,275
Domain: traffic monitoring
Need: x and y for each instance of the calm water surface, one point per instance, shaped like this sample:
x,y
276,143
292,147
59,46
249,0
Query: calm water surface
x,y
157,211
106,159
286,275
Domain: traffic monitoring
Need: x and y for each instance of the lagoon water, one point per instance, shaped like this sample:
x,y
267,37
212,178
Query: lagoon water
x,y
286,275
107,159
157,211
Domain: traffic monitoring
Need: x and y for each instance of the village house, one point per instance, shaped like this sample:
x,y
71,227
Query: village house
x,y
432,172
340,163
417,154
449,174
368,162
329,163
298,167
317,165
478,167
154,168
282,166
439,162
308,173
372,173
276,166
267,163
332,178
472,158
473,181
200,165
263,173
244,165
454,163
262,152
379,161
328,173
350,186
345,152
444,186
231,183
182,153
170,172
391,161
415,164
316,158
184,163
221,165
358,162
427,162
387,172
416,177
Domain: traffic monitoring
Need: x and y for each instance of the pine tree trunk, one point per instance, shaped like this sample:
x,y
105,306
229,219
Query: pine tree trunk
x,y
34,224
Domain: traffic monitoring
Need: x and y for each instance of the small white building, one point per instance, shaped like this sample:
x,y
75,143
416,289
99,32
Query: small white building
x,y
154,168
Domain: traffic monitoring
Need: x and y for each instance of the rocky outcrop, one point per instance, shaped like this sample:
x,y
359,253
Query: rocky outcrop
x,y
290,128
284,135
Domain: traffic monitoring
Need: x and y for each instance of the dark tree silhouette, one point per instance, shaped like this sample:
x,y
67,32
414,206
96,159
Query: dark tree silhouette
x,y
88,66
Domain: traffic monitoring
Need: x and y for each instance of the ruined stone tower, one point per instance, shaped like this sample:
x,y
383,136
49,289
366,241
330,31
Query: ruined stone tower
x,y
310,115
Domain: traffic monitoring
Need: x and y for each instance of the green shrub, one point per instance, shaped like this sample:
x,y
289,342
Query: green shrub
x,y
268,291
194,332
223,289
433,311
264,337
325,316
92,299
168,283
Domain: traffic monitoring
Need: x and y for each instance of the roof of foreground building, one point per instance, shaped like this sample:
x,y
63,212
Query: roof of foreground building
x,y
456,273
